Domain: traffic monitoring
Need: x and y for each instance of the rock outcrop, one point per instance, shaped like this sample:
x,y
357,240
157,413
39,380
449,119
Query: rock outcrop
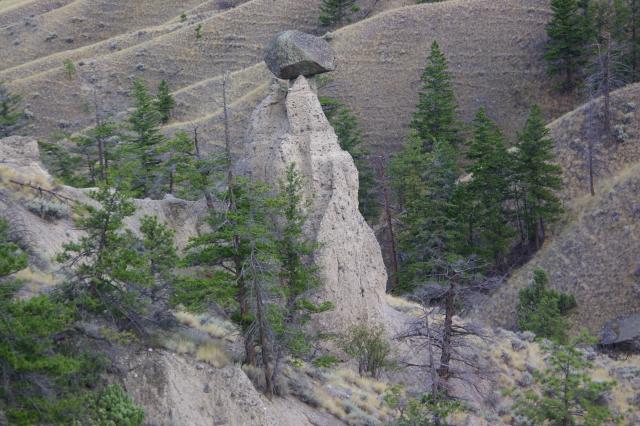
x,y
294,53
622,331
289,126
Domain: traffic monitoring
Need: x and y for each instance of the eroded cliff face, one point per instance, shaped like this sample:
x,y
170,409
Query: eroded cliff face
x,y
289,126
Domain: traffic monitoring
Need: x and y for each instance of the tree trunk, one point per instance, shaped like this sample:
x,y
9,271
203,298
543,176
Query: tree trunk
x,y
263,332
447,333
634,39
207,195
388,218
606,75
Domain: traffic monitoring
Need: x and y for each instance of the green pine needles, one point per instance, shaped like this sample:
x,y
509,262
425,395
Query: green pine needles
x,y
543,310
11,117
436,116
345,124
334,11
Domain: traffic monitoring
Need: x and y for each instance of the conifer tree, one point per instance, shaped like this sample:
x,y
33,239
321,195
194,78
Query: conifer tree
x,y
107,274
489,189
537,178
542,310
568,395
44,378
430,224
334,11
566,46
350,139
435,118
139,157
164,102
11,117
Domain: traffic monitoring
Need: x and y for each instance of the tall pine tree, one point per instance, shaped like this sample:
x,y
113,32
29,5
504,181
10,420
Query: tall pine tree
x,y
139,157
164,101
489,189
566,46
431,228
537,178
436,115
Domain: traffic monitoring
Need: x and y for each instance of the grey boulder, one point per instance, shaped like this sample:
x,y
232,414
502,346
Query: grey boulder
x,y
294,53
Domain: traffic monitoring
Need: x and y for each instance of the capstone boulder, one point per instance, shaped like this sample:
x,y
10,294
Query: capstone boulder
x,y
294,53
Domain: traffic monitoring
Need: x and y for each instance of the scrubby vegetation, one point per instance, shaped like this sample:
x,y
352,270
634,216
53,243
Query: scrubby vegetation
x,y
542,310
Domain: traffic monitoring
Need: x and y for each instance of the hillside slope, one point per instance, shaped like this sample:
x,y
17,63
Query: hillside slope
x,y
593,252
380,60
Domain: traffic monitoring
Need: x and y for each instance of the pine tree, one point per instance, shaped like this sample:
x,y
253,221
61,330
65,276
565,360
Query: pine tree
x,y
139,156
164,102
541,310
489,189
11,117
107,274
298,274
45,378
230,245
430,225
566,46
435,118
537,178
568,395
334,11
350,139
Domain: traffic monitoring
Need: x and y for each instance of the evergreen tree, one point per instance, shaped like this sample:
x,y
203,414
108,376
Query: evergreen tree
x,y
542,310
537,178
435,118
334,11
568,395
431,230
350,139
45,378
488,190
11,117
138,157
108,273
298,275
164,102
405,170
63,164
566,46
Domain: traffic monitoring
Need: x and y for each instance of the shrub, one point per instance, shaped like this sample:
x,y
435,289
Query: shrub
x,y
369,344
48,210
114,407
213,354
542,310
326,361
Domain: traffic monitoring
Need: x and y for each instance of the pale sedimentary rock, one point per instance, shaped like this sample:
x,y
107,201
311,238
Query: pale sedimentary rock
x,y
289,126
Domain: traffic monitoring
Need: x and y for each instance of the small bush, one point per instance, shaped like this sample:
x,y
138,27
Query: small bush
x,y
48,210
370,346
326,361
542,310
114,407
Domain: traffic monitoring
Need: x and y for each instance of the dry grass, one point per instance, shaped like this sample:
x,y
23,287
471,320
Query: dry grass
x,y
213,354
344,394
213,326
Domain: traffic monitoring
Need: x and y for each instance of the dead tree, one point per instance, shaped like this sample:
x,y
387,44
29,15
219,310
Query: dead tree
x,y
389,222
442,334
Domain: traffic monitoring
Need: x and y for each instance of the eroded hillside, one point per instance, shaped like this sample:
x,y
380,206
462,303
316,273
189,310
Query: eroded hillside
x,y
380,60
